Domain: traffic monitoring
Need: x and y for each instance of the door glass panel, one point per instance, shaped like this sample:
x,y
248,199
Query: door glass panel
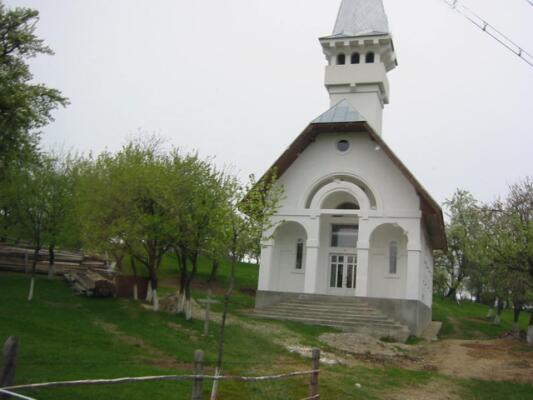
x,y
339,275
349,275
332,276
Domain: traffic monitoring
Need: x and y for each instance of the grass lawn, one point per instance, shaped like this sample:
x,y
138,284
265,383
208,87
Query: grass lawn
x,y
467,320
64,337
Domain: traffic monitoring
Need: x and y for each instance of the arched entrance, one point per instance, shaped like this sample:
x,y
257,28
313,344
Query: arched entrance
x,y
387,266
289,256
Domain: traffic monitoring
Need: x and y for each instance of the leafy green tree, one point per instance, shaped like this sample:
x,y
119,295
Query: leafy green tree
x,y
463,231
252,209
120,208
25,107
37,198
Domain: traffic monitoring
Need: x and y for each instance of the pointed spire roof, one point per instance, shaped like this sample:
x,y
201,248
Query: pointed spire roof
x,y
361,18
340,112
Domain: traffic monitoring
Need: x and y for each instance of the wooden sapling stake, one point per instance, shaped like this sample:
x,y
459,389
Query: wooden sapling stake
x,y
198,383
207,309
313,382
9,363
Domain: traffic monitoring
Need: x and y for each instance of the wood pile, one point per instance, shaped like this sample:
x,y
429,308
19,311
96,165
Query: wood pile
x,y
19,259
91,283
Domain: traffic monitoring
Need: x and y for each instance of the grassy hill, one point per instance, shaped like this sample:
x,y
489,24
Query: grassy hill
x,y
66,337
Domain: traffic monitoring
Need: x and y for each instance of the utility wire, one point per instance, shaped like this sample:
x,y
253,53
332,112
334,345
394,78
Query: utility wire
x,y
491,30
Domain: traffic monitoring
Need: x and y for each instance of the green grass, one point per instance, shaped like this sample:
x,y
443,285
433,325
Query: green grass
x,y
467,320
64,336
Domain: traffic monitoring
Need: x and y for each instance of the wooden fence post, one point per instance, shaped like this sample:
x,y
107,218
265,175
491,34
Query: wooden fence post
x,y
9,362
313,382
198,383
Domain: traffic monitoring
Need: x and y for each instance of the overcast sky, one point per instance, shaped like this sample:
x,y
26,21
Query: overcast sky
x,y
240,79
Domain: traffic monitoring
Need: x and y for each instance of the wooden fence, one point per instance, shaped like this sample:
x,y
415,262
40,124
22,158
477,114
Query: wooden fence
x,y
8,390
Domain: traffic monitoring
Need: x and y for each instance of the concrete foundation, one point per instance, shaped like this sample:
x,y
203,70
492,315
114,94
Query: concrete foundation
x,y
411,313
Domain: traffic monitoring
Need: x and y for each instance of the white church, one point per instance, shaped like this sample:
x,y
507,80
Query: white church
x,y
355,226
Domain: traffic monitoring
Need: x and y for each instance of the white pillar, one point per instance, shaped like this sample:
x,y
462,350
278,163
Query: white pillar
x,y
361,283
266,270
311,257
413,273
363,258
311,268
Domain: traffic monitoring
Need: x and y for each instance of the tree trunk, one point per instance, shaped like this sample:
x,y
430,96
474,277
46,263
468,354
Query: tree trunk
x,y
517,308
530,330
218,369
149,292
154,284
33,270
182,265
451,293
499,309
188,283
51,261
135,286
214,271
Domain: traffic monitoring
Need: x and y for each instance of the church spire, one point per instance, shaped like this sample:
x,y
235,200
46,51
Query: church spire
x,y
360,52
361,18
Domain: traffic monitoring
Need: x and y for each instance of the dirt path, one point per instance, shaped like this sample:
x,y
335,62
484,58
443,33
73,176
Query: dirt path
x,y
494,360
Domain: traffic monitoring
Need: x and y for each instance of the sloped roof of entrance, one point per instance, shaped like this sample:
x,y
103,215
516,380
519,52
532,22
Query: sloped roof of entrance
x,y
343,118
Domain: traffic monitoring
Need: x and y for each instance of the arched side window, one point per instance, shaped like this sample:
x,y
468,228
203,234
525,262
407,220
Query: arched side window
x,y
356,58
393,258
369,58
341,59
299,254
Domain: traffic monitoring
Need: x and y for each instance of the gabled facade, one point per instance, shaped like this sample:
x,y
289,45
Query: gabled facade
x,y
354,221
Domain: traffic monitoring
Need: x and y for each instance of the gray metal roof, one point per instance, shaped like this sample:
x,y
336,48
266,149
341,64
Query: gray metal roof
x,y
340,112
361,18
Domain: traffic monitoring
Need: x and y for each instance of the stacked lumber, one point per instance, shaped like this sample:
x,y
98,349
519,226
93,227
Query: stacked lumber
x,y
19,259
90,283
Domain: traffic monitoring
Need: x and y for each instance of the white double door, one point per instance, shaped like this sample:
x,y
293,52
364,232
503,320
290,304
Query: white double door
x,y
342,272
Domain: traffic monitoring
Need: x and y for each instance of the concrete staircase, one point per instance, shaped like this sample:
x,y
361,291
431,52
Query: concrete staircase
x,y
349,314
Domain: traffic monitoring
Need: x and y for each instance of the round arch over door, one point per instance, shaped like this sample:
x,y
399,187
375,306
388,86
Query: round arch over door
x,y
387,263
290,240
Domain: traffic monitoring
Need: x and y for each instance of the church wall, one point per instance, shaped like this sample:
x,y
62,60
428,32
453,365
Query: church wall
x,y
395,195
427,265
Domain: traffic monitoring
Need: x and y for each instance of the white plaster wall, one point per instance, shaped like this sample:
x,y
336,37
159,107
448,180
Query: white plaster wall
x,y
426,278
380,282
286,277
395,195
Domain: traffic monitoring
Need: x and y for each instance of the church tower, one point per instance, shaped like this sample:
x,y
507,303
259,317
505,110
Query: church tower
x,y
360,52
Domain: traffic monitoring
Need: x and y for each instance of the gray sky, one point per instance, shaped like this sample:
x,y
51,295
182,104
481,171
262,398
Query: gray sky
x,y
240,79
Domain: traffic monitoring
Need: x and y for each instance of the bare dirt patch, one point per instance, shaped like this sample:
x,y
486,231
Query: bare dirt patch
x,y
435,390
493,360
153,355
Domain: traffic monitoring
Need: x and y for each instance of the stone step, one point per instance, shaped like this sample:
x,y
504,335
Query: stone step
x,y
329,322
329,316
303,306
337,313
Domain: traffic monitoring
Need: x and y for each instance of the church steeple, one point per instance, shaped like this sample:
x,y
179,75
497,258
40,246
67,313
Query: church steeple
x,y
360,52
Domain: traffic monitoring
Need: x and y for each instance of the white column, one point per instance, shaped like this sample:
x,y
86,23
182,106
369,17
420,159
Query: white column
x,y
361,283
413,273
311,257
311,268
363,247
266,270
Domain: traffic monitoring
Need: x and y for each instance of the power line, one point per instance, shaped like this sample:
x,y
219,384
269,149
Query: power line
x,y
491,30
